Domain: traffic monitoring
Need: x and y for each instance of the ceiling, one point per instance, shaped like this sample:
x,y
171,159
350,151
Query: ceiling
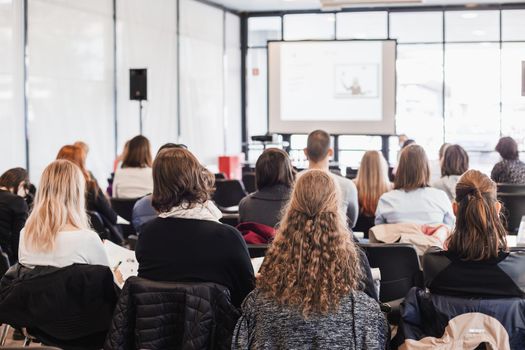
x,y
286,5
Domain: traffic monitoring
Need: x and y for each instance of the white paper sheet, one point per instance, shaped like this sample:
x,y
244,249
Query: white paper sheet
x,y
123,258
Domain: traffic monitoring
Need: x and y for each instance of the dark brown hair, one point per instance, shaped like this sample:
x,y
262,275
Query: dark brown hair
x,y
455,161
318,145
179,179
413,171
274,168
507,148
12,178
479,233
138,153
442,150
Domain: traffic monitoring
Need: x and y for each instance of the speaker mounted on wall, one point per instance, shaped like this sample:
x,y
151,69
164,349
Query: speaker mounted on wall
x,y
138,84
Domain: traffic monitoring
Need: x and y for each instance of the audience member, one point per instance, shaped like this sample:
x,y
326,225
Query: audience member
x,y
57,232
85,150
510,169
308,295
95,199
274,178
453,164
133,179
371,182
435,165
187,242
477,261
143,210
413,200
318,152
13,210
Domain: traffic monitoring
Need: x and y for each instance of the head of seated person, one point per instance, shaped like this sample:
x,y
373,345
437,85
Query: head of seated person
x,y
507,148
137,153
274,178
413,200
454,163
58,233
133,179
77,156
477,261
318,150
310,277
371,181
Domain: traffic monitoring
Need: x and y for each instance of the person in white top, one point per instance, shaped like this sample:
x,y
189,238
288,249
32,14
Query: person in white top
x,y
453,165
318,152
412,200
134,178
57,233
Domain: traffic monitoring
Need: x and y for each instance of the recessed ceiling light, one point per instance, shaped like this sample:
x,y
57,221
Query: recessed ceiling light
x,y
469,15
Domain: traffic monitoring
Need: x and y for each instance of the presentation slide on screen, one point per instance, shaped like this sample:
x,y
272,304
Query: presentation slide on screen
x,y
350,82
331,81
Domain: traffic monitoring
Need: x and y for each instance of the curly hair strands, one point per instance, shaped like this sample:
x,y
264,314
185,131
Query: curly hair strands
x,y
312,263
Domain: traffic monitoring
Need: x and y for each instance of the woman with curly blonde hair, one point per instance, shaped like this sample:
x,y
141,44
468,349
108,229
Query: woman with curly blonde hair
x,y
308,294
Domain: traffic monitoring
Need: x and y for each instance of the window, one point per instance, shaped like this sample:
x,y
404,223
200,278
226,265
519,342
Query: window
x,y
262,29
256,86
362,25
419,95
512,27
472,26
472,78
309,26
414,27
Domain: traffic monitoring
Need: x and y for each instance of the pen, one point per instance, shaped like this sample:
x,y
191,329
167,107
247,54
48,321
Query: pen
x,y
117,266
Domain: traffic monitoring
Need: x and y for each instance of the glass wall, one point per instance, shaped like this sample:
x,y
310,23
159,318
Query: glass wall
x,y
458,74
70,81
12,133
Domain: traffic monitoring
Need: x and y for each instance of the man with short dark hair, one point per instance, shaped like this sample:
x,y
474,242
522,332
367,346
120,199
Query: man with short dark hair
x,y
318,152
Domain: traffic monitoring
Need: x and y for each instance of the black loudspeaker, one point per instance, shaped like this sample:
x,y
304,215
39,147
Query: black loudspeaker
x,y
138,84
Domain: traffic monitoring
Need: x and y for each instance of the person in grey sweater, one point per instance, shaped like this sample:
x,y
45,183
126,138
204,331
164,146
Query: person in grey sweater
x,y
308,293
274,178
318,152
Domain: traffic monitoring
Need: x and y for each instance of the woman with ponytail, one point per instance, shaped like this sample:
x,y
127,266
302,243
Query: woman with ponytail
x,y
477,261
308,294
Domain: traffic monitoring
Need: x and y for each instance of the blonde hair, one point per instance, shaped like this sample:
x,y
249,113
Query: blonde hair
x,y
312,263
59,201
372,181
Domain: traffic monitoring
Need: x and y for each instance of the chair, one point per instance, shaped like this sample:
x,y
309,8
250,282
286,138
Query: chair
x,y
257,250
248,180
228,194
400,271
220,176
351,173
230,219
124,208
172,315
513,209
511,188
97,224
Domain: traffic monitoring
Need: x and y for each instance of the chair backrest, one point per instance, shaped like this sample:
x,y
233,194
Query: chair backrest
x,y
513,209
97,224
399,266
228,193
257,250
511,188
184,310
124,206
351,173
248,180
220,176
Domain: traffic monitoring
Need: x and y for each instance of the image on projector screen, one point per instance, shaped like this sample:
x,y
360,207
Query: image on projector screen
x,y
356,80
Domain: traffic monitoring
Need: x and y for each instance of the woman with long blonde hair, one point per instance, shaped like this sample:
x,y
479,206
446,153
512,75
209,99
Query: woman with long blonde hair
x,y
57,233
308,294
371,182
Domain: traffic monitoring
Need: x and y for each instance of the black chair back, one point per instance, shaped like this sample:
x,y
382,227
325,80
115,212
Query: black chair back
x,y
399,266
351,173
513,209
257,250
220,176
248,179
97,224
228,193
511,188
124,208
4,263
